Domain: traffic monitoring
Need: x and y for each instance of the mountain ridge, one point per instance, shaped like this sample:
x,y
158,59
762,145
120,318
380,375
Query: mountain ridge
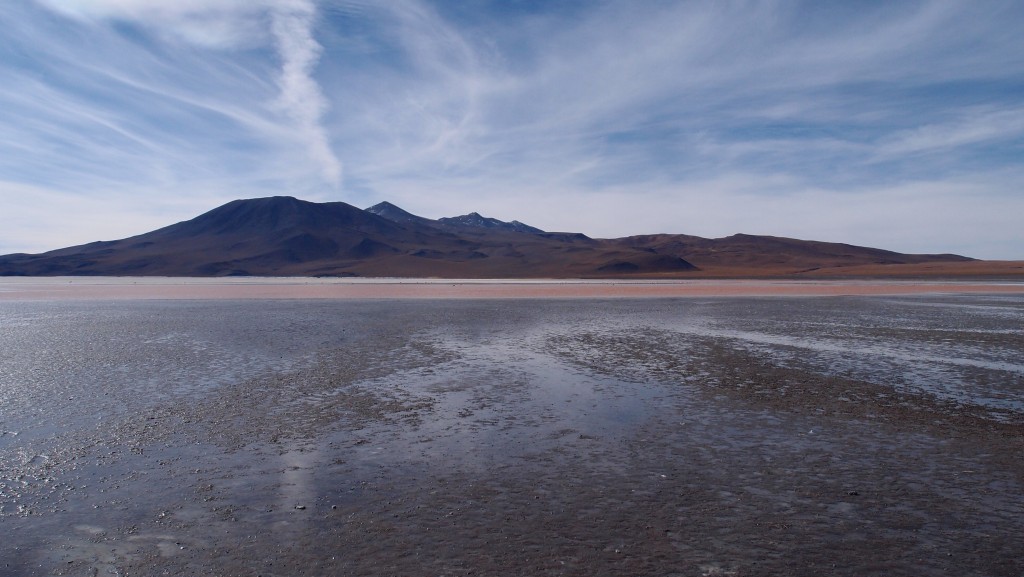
x,y
285,236
462,222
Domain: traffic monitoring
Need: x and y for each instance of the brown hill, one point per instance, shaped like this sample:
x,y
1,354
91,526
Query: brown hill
x,y
283,236
746,255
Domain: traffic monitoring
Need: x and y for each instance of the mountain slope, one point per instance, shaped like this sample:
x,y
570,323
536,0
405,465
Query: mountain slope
x,y
284,236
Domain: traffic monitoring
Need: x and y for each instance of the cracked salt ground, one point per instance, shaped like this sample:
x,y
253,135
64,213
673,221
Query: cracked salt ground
x,y
496,437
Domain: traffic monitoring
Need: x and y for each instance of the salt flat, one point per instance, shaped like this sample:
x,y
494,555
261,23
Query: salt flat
x,y
804,435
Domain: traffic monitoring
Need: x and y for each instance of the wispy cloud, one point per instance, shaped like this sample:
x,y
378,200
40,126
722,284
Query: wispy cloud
x,y
212,23
609,118
673,98
970,127
301,98
228,25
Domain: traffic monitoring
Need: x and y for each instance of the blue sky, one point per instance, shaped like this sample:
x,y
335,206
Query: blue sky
x,y
892,124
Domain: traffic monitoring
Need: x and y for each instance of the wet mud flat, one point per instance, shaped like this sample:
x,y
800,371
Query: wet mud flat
x,y
697,436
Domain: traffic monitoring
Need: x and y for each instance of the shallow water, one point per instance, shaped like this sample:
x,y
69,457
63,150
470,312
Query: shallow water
x,y
742,436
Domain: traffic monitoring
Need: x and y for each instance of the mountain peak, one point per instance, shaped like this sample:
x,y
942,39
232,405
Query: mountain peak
x,y
382,207
472,220
268,214
476,220
394,213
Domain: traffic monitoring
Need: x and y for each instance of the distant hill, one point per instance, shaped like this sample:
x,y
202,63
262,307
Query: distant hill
x,y
284,236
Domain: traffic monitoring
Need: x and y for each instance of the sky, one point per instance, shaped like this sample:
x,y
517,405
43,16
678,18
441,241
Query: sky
x,y
893,124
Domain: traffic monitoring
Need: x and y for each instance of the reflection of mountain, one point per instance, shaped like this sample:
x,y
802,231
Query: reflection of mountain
x,y
289,237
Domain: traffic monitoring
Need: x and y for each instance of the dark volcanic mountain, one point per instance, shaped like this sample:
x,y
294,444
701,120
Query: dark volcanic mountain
x,y
475,220
394,214
283,236
466,222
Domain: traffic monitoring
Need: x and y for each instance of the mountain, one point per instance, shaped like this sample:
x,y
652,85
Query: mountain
x,y
394,214
279,235
284,236
474,220
464,223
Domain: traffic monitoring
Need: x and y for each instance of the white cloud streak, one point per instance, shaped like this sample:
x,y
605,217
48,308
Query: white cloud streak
x,y
236,24
301,97
218,24
972,127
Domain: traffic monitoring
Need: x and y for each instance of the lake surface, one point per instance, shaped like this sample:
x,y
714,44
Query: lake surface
x,y
850,435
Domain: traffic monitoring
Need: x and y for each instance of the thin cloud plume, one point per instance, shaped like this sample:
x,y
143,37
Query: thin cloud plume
x,y
234,24
301,98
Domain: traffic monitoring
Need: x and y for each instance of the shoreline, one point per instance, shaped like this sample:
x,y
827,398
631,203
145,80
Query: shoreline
x,y
308,288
